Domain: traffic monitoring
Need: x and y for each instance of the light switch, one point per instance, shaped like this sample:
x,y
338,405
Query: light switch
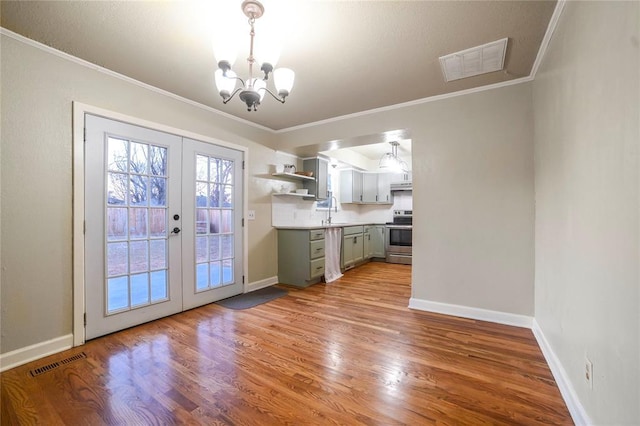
x,y
252,215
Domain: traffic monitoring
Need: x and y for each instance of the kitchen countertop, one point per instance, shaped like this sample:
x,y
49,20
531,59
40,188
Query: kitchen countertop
x,y
333,225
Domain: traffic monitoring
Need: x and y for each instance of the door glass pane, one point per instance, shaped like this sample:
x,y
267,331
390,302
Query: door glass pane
x,y
226,172
201,249
214,221
226,196
117,259
202,168
227,271
158,161
227,221
202,224
138,189
202,276
158,222
213,169
139,158
201,194
117,293
214,195
117,154
158,286
138,223
227,246
214,270
138,256
214,247
117,188
158,191
139,289
137,263
157,254
116,223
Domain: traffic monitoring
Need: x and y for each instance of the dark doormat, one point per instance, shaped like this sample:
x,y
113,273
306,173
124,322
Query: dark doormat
x,y
254,298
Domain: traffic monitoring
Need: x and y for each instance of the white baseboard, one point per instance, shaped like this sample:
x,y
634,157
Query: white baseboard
x,y
257,285
470,312
31,353
577,411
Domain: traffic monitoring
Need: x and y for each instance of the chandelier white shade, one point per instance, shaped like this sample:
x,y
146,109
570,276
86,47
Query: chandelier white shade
x,y
252,89
392,162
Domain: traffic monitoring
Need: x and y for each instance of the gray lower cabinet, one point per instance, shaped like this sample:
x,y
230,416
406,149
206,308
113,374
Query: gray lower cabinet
x,y
300,256
367,245
352,246
377,241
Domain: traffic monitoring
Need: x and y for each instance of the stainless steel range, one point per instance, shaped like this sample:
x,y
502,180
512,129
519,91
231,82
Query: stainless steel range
x,y
398,242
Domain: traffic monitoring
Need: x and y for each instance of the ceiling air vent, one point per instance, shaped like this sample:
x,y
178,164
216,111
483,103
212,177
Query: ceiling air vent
x,y
477,60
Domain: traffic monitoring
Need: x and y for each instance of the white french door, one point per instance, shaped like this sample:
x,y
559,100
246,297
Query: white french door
x,y
162,224
212,200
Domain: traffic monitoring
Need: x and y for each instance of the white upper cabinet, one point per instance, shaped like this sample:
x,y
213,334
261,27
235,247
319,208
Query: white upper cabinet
x,y
350,186
365,187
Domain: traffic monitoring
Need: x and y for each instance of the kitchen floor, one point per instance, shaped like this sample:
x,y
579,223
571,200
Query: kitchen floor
x,y
348,352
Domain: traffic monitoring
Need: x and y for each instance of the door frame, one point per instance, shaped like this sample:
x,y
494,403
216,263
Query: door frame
x,y
79,110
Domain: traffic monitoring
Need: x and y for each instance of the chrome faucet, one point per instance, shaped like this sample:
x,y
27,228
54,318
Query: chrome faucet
x,y
331,200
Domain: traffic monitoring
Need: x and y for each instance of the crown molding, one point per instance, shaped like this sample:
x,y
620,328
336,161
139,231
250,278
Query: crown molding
x,y
408,104
90,65
553,24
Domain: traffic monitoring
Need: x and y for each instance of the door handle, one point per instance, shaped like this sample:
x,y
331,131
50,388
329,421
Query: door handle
x,y
176,230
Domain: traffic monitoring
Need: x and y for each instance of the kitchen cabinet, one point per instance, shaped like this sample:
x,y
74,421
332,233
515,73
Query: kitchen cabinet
x,y
318,188
367,247
352,246
365,188
300,256
376,188
369,187
350,186
377,241
401,177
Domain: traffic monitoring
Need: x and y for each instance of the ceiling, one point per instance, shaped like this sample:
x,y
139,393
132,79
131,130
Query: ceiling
x,y
367,156
349,56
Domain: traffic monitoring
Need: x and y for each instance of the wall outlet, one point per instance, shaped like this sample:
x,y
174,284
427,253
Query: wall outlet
x,y
251,215
588,372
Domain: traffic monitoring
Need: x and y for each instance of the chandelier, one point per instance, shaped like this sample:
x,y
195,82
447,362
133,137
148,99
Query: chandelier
x,y
253,89
391,161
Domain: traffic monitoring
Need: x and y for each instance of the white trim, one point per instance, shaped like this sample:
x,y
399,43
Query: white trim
x,y
79,111
551,28
472,313
119,76
408,104
39,350
577,411
287,154
257,285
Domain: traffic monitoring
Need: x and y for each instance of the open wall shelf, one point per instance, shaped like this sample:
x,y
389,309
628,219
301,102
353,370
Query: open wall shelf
x,y
293,176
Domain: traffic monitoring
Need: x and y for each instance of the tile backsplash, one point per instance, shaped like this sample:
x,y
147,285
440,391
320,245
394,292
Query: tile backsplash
x,y
295,211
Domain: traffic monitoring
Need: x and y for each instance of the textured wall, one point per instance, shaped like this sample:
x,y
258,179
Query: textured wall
x,y
37,93
472,161
587,137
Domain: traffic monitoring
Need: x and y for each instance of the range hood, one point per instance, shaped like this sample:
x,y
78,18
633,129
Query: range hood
x,y
402,186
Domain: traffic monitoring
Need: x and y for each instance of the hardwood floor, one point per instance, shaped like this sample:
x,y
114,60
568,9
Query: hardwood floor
x,y
349,352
